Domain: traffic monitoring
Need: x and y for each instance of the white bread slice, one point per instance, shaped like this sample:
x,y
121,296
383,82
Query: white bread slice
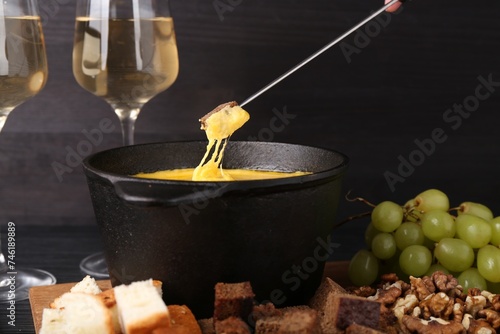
x,y
140,308
77,313
53,322
87,285
108,296
158,285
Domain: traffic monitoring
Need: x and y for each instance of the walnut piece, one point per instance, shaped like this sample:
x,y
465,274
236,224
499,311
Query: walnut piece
x,y
389,296
423,287
495,302
433,326
363,291
492,317
437,305
390,278
474,292
404,305
474,304
480,326
458,311
443,282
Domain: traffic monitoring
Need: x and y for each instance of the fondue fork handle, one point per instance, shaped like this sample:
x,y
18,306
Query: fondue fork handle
x,y
320,51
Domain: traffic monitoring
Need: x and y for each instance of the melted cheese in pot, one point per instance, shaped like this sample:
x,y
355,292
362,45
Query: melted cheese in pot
x,y
186,174
219,126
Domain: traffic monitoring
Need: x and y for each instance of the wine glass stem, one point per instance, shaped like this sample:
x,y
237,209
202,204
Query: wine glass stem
x,y
127,120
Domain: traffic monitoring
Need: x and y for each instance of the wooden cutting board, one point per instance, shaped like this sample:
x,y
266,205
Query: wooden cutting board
x,y
42,296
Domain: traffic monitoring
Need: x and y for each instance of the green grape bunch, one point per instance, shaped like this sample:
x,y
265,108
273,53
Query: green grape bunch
x,y
426,235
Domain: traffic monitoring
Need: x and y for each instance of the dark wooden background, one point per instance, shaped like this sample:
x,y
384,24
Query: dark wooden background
x,y
372,106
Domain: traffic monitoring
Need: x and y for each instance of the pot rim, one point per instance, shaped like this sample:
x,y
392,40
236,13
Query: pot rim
x,y
141,191
334,171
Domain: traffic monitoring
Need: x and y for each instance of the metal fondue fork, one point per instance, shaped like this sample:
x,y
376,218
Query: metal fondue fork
x,y
317,53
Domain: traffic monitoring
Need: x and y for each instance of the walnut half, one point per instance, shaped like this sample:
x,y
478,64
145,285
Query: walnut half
x,y
433,326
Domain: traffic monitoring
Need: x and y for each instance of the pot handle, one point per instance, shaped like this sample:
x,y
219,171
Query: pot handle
x,y
168,194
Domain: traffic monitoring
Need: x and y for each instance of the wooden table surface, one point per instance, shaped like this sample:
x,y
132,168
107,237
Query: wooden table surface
x,y
57,249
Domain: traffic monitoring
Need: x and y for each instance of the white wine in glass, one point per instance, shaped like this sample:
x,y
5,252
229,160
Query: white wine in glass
x,y
23,73
124,52
23,63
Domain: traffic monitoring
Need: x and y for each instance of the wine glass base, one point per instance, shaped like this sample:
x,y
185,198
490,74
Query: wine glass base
x,y
16,286
95,265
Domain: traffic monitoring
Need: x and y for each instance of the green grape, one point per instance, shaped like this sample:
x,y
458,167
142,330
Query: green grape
x,y
408,234
475,209
363,268
495,231
384,246
437,224
471,278
437,267
454,254
370,233
488,263
474,230
415,260
432,199
410,204
387,216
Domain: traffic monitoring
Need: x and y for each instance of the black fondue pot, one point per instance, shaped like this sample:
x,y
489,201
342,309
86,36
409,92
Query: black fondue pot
x,y
190,235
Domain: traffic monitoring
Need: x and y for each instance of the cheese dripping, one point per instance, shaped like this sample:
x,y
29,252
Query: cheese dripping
x,y
219,125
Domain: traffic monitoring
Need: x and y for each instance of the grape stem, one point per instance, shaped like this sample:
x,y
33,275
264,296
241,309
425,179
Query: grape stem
x,y
358,199
409,212
350,218
458,208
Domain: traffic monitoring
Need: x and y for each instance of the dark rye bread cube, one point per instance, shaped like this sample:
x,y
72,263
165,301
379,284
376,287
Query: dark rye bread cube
x,y
207,326
204,119
323,301
324,294
292,321
232,325
347,310
358,329
233,300
266,310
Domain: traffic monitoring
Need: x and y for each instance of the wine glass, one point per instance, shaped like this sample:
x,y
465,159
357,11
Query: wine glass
x,y
23,73
124,52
